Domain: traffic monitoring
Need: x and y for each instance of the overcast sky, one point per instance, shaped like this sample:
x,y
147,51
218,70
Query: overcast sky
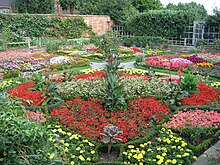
x,y
208,4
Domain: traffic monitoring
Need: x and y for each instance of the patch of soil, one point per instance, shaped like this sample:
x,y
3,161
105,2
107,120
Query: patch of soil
x,y
103,156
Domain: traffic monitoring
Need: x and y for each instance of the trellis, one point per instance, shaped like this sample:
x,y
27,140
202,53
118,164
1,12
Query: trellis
x,y
192,33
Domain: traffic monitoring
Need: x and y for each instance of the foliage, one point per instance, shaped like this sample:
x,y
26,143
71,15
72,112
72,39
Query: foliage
x,y
143,41
164,23
24,25
118,10
22,141
213,20
114,99
108,44
67,4
199,9
110,136
189,82
145,5
71,28
34,6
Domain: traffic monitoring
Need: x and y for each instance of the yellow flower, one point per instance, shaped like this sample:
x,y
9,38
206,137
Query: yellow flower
x,y
72,163
86,141
61,141
60,130
178,156
66,149
186,154
149,149
88,159
54,130
78,148
51,156
69,134
164,154
142,145
91,145
174,161
194,157
67,144
130,146
81,151
73,156
92,152
81,158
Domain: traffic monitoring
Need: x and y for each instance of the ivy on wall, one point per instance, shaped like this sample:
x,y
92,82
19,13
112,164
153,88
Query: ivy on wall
x,y
25,25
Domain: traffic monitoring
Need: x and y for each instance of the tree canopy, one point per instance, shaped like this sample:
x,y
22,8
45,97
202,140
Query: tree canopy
x,y
145,5
34,6
192,6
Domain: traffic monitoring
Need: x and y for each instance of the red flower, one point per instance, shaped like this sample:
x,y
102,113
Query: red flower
x,y
88,118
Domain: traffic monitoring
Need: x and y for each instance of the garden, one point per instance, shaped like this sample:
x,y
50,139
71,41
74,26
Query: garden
x,y
56,109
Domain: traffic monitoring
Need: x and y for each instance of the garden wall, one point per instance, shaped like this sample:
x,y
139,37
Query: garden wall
x,y
100,23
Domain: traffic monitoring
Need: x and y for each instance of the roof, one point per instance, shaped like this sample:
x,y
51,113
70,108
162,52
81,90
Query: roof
x,y
6,2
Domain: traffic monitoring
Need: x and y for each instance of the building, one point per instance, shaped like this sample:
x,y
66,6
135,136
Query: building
x,y
5,6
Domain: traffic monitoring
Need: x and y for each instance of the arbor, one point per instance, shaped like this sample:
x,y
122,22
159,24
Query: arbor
x,y
199,9
145,5
34,6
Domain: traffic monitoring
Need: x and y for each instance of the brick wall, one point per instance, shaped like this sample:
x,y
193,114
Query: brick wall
x,y
100,23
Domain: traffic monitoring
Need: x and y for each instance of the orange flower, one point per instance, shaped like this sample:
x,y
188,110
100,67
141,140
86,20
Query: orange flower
x,y
180,73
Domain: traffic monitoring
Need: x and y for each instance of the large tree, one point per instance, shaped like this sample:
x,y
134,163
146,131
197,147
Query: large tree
x,y
193,7
34,6
145,5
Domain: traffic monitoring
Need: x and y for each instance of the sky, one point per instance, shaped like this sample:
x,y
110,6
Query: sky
x,y
208,4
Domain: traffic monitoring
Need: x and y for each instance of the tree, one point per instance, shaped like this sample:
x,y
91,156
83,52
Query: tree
x,y
119,10
214,20
145,5
193,7
34,6
68,4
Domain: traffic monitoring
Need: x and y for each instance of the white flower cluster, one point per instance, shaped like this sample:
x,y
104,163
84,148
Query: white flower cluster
x,y
60,60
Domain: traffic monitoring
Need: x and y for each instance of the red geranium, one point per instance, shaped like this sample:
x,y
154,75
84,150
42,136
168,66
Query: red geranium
x,y
206,96
89,118
27,96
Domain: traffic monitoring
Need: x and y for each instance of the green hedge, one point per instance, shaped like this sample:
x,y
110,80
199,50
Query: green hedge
x,y
165,23
143,41
39,25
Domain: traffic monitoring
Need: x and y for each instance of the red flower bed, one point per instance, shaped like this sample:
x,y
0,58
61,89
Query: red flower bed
x,y
28,97
88,118
101,74
206,96
95,75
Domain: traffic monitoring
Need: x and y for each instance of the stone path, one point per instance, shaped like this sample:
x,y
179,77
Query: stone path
x,y
212,152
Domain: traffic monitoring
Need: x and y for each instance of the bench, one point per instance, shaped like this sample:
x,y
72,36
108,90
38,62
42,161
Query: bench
x,y
27,41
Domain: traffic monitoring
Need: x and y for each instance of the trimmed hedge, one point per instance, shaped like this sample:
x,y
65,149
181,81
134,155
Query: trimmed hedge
x,y
165,23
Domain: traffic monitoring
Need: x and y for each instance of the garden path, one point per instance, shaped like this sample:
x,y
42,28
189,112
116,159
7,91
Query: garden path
x,y
125,65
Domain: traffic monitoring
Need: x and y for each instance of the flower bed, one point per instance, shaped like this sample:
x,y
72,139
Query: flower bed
x,y
89,118
27,96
